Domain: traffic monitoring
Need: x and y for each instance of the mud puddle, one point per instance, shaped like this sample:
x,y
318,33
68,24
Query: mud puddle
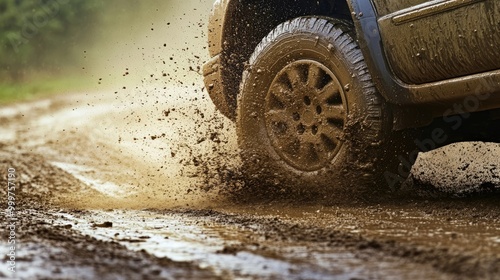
x,y
230,250
181,239
32,263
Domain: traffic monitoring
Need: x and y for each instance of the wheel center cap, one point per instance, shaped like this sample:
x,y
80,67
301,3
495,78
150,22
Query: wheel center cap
x,y
308,117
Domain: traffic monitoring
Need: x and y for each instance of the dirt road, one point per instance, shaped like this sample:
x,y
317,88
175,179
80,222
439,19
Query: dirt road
x,y
139,184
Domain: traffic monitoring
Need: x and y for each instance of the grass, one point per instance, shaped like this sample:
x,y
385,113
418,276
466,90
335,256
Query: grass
x,y
40,87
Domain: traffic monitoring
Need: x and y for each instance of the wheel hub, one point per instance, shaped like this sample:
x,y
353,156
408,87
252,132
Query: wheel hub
x,y
305,115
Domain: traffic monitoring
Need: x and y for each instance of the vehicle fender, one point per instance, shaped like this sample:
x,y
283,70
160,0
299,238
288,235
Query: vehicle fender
x,y
370,41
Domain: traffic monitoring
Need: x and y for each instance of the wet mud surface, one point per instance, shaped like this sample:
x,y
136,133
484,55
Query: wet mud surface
x,y
459,169
137,186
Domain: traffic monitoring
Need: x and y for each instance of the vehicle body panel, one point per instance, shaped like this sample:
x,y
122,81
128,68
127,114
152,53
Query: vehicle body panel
x,y
212,70
216,26
385,7
440,40
391,34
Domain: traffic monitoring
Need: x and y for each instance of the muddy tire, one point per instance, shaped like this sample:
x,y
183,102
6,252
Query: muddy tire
x,y
309,117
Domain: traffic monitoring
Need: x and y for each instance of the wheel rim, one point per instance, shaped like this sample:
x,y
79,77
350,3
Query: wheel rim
x,y
305,115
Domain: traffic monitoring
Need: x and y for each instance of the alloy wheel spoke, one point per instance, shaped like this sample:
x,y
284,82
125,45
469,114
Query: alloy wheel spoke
x,y
306,151
279,116
282,93
331,132
321,150
314,76
334,112
295,77
330,92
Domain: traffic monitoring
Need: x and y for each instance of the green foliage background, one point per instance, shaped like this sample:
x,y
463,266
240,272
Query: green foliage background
x,y
49,36
59,46
43,43
41,34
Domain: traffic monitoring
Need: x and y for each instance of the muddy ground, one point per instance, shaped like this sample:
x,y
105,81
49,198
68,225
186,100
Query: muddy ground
x,y
140,183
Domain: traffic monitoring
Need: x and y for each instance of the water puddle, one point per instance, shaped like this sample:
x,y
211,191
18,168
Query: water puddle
x,y
182,239
209,244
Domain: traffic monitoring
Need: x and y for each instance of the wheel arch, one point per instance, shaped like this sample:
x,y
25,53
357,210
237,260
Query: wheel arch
x,y
250,21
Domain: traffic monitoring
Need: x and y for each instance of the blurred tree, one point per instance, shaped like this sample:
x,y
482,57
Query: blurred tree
x,y
42,35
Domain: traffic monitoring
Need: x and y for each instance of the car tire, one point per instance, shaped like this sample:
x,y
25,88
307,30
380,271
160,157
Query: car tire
x,y
309,117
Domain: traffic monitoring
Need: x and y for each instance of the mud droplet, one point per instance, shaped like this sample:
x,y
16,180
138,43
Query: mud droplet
x,y
104,225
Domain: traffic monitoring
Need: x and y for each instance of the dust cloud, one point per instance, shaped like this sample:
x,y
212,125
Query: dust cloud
x,y
148,136
151,38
